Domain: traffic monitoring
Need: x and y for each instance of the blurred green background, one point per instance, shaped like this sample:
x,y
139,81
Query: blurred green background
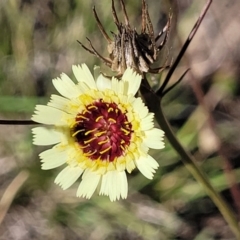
x,y
38,41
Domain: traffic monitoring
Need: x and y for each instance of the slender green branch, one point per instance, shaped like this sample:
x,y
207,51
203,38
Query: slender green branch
x,y
154,104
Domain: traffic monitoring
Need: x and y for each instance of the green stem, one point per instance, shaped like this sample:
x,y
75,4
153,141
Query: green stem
x,y
154,104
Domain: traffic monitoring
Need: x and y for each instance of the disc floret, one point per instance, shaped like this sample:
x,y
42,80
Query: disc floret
x,y
102,131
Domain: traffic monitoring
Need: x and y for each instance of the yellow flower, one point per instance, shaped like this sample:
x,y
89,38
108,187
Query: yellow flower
x,y
100,131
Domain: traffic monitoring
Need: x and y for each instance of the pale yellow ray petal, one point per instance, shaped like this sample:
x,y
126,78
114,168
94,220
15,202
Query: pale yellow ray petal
x,y
68,176
47,115
115,86
104,185
120,89
103,83
53,158
44,136
65,86
152,162
58,102
130,165
140,108
88,184
154,138
147,122
83,74
113,187
144,167
133,79
83,87
114,184
123,184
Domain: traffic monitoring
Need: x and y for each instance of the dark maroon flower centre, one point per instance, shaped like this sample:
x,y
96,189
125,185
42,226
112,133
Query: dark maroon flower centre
x,y
102,131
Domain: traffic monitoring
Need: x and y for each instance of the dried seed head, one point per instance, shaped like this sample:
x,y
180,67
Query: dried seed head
x,y
129,48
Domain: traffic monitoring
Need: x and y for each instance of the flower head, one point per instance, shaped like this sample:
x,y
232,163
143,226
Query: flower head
x,y
100,130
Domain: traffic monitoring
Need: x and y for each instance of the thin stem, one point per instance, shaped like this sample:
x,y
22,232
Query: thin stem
x,y
184,48
154,104
175,84
17,122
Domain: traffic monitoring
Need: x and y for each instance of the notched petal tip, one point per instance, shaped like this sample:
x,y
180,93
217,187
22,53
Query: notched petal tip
x,y
154,138
147,166
88,185
133,79
68,176
83,74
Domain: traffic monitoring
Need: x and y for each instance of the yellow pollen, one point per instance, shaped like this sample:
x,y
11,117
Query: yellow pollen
x,y
90,153
104,141
90,131
98,118
76,123
110,109
102,152
81,117
74,134
86,111
98,134
90,140
122,141
125,131
122,147
83,146
92,107
112,120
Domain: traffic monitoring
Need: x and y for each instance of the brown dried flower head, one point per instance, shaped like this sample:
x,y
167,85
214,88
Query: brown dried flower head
x,y
129,48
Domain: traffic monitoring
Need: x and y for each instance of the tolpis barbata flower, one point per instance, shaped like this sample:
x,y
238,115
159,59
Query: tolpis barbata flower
x,y
99,130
